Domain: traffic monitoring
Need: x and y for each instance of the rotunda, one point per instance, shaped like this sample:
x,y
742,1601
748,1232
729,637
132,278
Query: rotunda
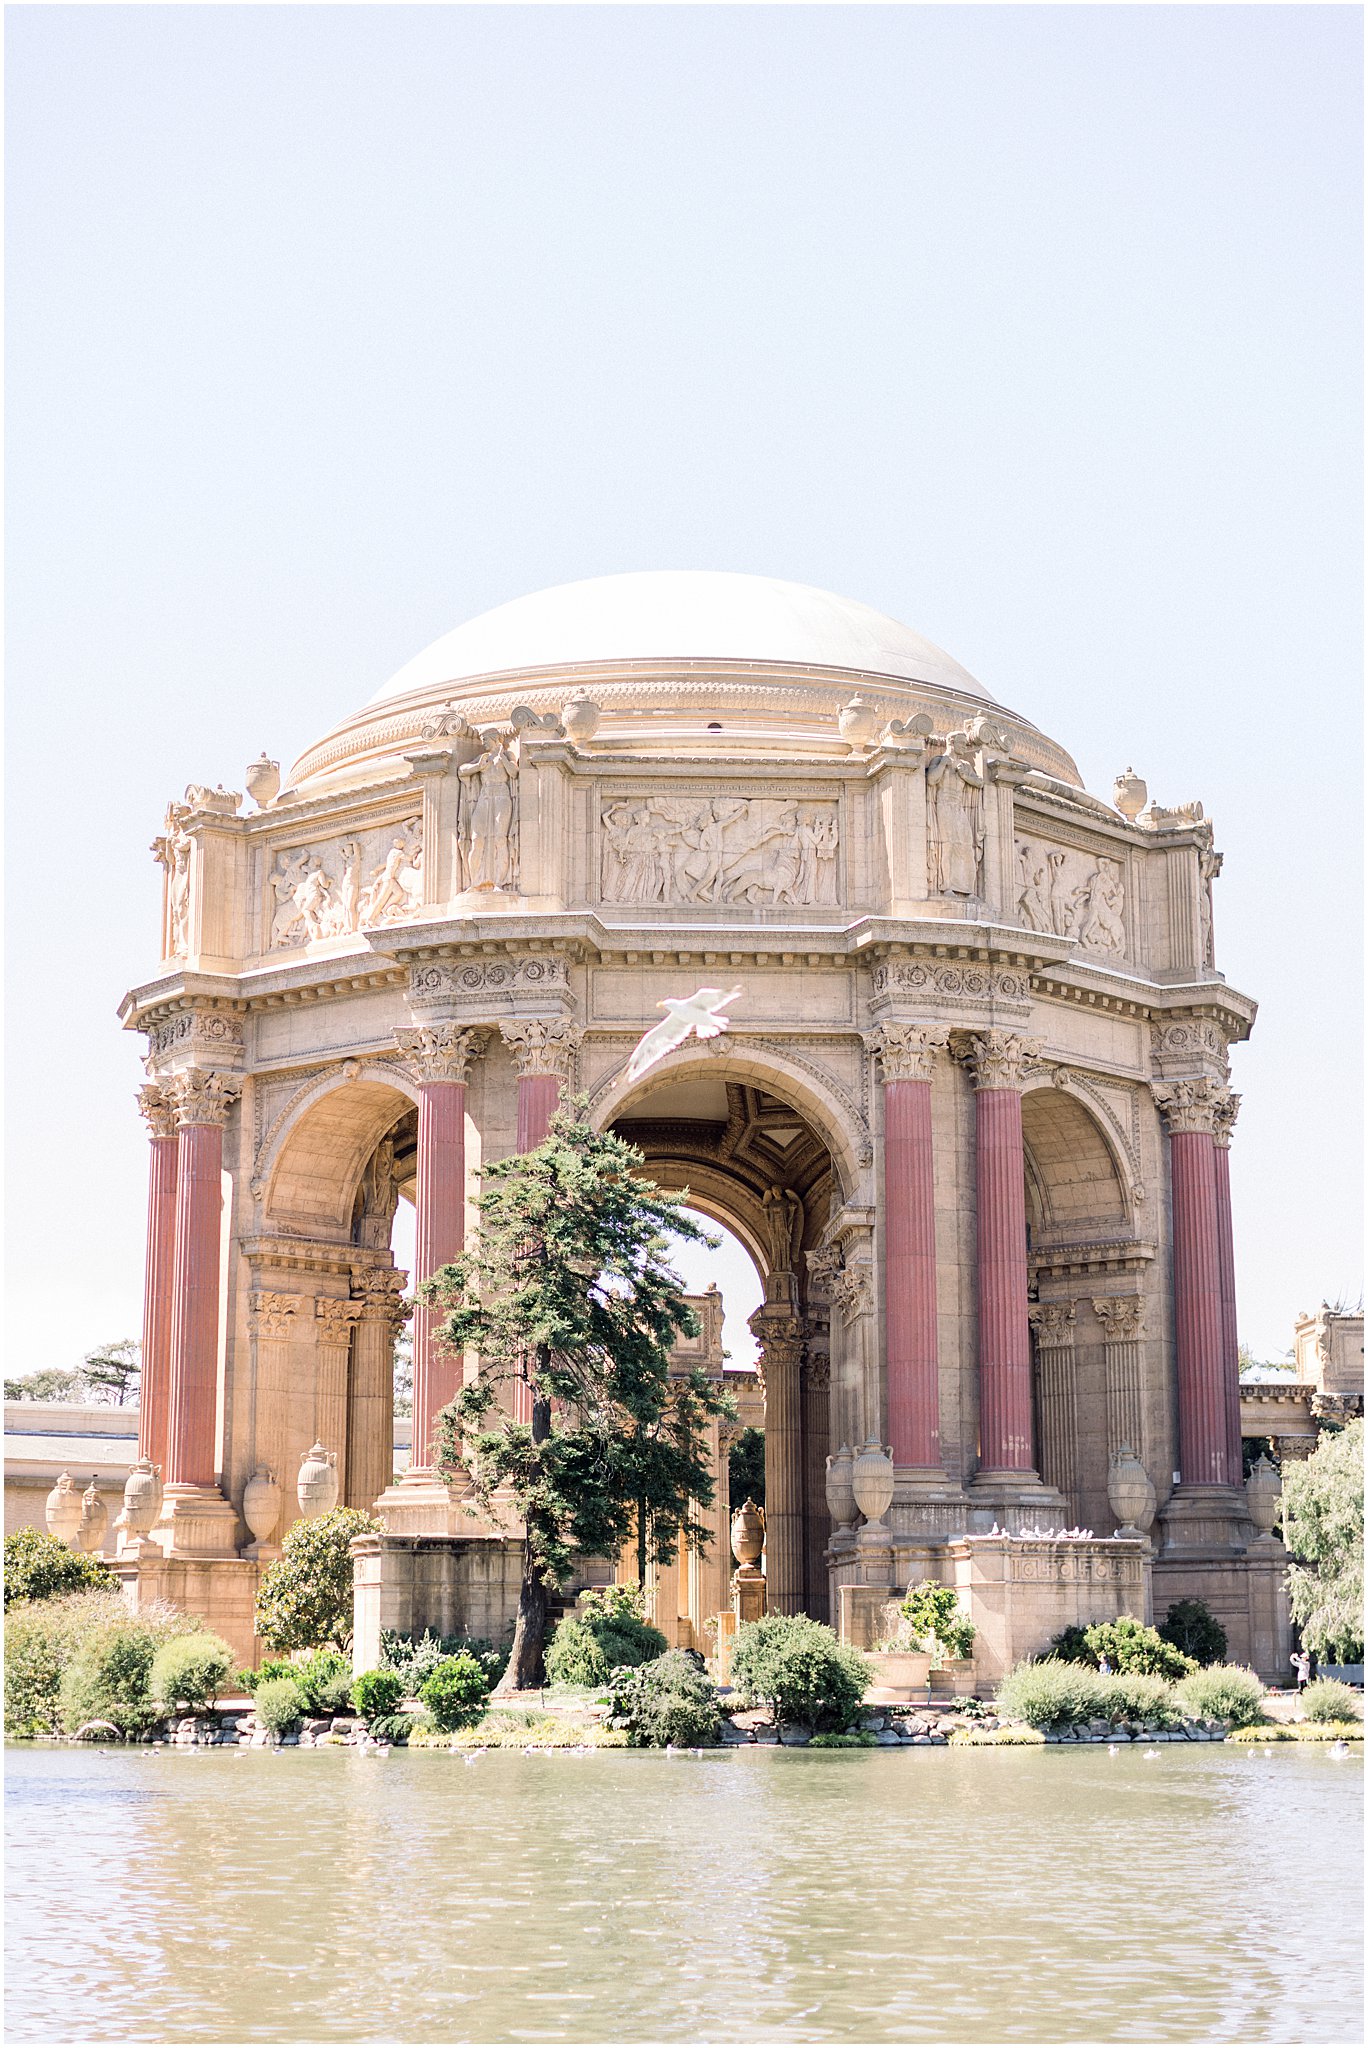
x,y
971,1119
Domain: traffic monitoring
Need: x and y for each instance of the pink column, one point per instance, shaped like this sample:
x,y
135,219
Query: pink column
x,y
1198,1311
202,1103
906,1054
538,1098
440,1237
154,1391
1230,1329
999,1063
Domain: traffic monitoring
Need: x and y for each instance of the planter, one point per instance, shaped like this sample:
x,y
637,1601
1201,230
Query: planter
x,y
62,1510
316,1487
903,1674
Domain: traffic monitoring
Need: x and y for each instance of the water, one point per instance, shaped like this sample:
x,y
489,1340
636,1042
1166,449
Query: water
x,y
1212,1894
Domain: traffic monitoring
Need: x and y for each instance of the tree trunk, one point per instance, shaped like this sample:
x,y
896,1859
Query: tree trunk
x,y
534,1595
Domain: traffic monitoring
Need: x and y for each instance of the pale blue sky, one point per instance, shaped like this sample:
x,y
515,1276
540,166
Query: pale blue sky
x,y
330,327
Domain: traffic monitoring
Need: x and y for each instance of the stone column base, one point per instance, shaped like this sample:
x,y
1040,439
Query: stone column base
x,y
422,1504
454,1585
1019,1501
1205,1518
195,1521
1247,1592
220,1591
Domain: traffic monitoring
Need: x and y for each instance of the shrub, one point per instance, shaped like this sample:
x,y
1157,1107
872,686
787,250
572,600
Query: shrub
x,y
1126,1644
324,1683
1056,1694
666,1702
457,1692
1263,1731
109,1678
608,1632
1329,1700
1141,1696
799,1668
306,1596
39,1567
279,1705
43,1636
190,1671
393,1727
1226,1692
416,1661
937,1622
848,1738
377,1693
996,1738
269,1667
1192,1628
1322,1513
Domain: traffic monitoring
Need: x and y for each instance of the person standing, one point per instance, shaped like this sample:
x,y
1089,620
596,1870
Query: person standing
x,y
1301,1664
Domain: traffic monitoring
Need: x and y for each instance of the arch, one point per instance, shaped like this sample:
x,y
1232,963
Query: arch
x,y
311,1161
1078,1179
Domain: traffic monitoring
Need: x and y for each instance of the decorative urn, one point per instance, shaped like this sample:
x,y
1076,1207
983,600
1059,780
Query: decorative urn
x,y
317,1482
857,721
748,1535
580,717
94,1518
62,1510
142,1499
872,1484
1129,794
261,1503
1131,1492
840,1488
263,781
1263,1491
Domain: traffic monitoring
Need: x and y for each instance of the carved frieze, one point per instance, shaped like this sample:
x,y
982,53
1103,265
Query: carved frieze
x,y
721,849
544,1045
1072,895
440,1052
1198,1104
195,1031
1187,1045
478,981
907,1052
333,887
969,985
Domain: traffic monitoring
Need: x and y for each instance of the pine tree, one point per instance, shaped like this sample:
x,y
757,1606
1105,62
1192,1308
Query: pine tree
x,y
113,1369
568,1292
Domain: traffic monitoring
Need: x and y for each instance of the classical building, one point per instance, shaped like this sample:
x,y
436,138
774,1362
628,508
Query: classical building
x,y
972,1118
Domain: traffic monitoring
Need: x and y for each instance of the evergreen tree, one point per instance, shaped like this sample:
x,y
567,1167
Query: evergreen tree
x,y
111,1370
1322,1517
568,1292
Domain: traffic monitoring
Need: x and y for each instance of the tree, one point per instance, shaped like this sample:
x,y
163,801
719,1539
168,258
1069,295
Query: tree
x,y
39,1567
305,1598
567,1293
111,1370
50,1383
1322,1514
403,1373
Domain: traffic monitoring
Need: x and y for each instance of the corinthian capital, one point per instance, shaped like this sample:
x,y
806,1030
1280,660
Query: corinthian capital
x,y
159,1108
544,1045
998,1059
272,1314
852,1290
907,1052
383,1298
1053,1323
1194,1105
203,1098
1121,1316
335,1318
440,1052
1225,1119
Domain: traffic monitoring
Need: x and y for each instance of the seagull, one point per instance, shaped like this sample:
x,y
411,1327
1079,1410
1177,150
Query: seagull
x,y
1338,1748
700,1013
1149,1753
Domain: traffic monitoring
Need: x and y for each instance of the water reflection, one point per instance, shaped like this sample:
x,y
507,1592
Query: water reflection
x,y
1015,1896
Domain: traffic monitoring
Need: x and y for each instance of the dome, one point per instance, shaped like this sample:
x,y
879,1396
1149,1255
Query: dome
x,y
683,615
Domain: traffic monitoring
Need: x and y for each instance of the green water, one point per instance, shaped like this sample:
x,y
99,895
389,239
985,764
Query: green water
x,y
1211,1894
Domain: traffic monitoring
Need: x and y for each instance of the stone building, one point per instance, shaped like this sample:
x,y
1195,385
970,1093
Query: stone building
x,y
972,1118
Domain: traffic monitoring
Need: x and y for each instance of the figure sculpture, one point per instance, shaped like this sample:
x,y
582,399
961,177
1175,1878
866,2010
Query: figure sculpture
x,y
725,850
490,844
1101,901
954,823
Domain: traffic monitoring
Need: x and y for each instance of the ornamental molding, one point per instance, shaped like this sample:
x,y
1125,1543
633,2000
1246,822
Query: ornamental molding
x,y
159,1110
1191,1106
203,1098
1122,1316
196,1031
271,1315
1189,1046
997,1059
335,1317
489,984
1053,1323
544,1045
907,1052
967,986
440,1052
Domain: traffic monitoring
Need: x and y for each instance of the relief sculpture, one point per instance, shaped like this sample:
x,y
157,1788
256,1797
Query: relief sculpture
x,y
954,819
724,850
1092,910
487,833
326,892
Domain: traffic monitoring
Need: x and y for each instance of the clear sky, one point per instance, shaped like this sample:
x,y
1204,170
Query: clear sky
x,y
332,326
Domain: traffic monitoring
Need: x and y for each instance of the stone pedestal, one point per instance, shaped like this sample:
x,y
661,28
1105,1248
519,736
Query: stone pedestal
x,y
1020,1592
748,1593
453,1585
219,1591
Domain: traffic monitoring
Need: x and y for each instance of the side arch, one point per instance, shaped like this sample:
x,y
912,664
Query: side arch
x,y
1079,1180
309,1165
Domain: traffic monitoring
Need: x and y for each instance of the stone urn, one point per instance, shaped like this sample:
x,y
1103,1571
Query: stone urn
x,y
94,1519
1131,1492
1263,1491
62,1510
263,781
748,1535
142,1499
261,1502
857,722
317,1482
1129,794
840,1488
580,717
872,1484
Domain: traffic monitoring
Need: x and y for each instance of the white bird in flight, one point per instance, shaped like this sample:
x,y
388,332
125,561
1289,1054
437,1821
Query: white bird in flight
x,y
698,1013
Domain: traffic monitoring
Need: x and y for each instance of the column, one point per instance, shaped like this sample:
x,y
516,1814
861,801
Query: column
x,y
1053,1323
906,1053
544,1051
1225,1247
154,1393
369,1465
271,1318
441,1055
1190,1110
816,1411
1122,1319
203,1101
780,1337
335,1319
999,1062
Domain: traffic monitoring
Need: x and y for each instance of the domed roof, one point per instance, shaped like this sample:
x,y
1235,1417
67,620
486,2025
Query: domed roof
x,y
680,615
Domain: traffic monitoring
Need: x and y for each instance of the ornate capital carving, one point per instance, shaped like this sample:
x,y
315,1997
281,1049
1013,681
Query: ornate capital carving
x,y
196,1030
1225,1119
907,1052
823,1265
382,1298
1053,1323
159,1109
544,1045
998,1059
1121,1316
852,1290
272,1314
203,1098
1193,1105
335,1318
817,1372
440,1052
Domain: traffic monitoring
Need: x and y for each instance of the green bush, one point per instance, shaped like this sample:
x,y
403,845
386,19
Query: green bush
x,y
1056,1694
848,1738
800,1670
666,1703
1141,1696
393,1727
608,1632
936,1621
190,1671
269,1667
1192,1628
279,1705
305,1598
1126,1644
1225,1692
38,1567
457,1692
1326,1731
995,1738
377,1693
42,1637
1329,1700
416,1661
324,1682
109,1678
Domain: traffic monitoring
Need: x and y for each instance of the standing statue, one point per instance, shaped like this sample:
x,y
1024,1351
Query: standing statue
x,y
781,1217
491,847
954,820
378,1199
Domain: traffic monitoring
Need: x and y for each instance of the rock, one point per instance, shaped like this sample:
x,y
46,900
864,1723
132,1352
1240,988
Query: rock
x,y
767,1735
314,1726
795,1738
751,1718
871,1723
289,1742
921,1741
886,1739
732,1736
938,1739
345,1724
1097,1726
